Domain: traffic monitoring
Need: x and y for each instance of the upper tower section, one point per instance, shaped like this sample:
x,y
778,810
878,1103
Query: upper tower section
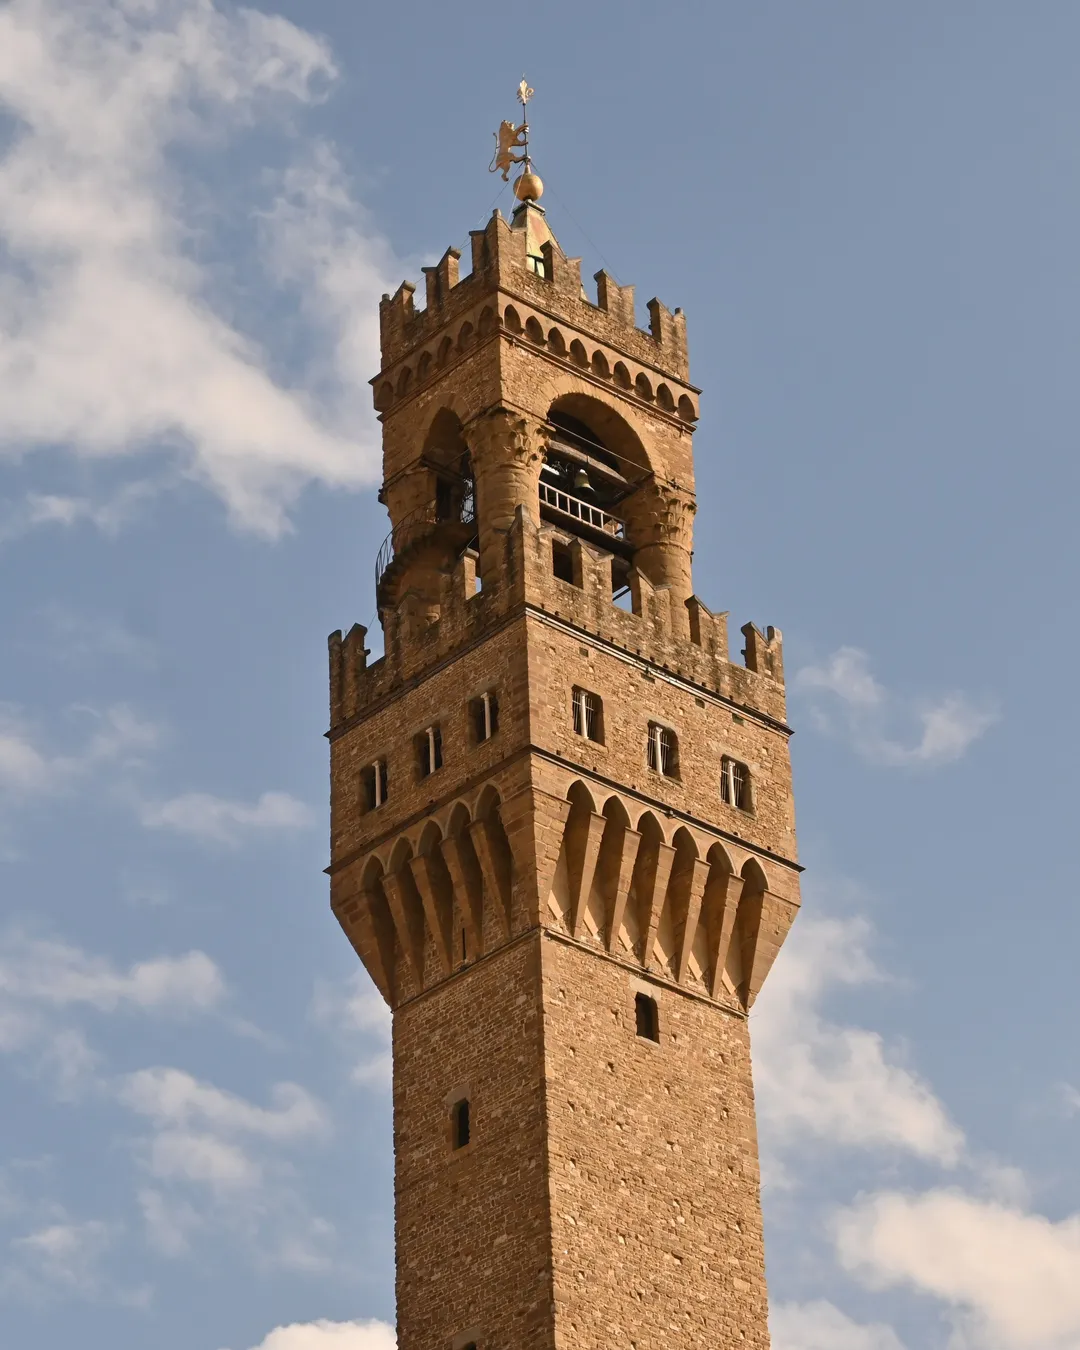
x,y
511,391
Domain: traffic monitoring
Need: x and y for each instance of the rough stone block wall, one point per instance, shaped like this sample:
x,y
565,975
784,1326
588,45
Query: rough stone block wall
x,y
652,1148
473,1227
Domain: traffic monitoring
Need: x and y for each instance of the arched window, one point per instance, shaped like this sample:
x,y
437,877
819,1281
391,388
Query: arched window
x,y
665,399
643,387
578,354
735,783
557,342
533,331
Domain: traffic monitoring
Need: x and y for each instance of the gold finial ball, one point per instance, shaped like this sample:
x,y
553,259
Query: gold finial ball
x,y
529,187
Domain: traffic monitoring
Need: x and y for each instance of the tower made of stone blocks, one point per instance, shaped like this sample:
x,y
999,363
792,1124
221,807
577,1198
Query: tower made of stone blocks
x,y
562,826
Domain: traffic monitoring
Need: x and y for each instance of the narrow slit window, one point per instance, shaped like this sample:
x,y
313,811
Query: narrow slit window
x,y
485,713
460,1127
429,746
375,785
588,715
735,783
663,750
647,1017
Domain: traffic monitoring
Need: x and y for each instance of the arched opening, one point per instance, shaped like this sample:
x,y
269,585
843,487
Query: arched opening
x,y
600,366
710,930
675,913
739,967
487,321
533,331
556,342
687,411
621,376
444,349
665,399
601,905
643,388
647,883
423,366
578,354
511,319
593,461
404,380
465,337
384,396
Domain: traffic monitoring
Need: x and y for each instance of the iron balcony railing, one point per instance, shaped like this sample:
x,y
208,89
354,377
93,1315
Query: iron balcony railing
x,y
567,505
417,525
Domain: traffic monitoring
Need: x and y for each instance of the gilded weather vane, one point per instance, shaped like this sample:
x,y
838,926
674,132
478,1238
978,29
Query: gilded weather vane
x,y
509,138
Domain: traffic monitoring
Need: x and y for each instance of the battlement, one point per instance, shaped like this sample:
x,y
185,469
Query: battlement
x,y
415,645
522,260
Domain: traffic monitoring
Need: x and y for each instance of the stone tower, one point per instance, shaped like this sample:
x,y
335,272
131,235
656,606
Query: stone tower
x,y
562,829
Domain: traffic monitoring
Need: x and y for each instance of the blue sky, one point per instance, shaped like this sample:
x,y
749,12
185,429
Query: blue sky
x,y
870,216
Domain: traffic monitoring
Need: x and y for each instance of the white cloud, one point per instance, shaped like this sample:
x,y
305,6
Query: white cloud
x,y
67,1254
1011,1278
33,970
822,1326
119,737
330,1336
844,684
118,320
356,1014
218,820
819,1080
214,1162
171,1097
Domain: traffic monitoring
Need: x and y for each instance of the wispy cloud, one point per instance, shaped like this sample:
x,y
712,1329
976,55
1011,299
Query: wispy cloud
x,y
330,1336
203,816
356,1015
1010,1278
45,984
58,975
822,1326
818,1080
118,328
848,699
213,1161
29,768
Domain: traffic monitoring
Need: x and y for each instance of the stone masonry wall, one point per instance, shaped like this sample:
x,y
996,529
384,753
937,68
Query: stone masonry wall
x,y
656,1216
473,1226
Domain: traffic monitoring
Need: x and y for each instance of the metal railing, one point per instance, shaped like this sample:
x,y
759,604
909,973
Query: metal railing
x,y
412,527
567,505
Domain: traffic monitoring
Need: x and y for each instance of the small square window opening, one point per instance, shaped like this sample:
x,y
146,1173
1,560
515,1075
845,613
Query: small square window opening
x,y
647,1017
485,715
375,784
663,750
588,715
429,748
562,562
735,783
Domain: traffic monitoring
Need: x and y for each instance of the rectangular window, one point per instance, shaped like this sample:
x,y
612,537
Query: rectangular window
x,y
375,784
485,715
459,1124
562,562
735,783
663,750
588,715
429,749
647,1017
